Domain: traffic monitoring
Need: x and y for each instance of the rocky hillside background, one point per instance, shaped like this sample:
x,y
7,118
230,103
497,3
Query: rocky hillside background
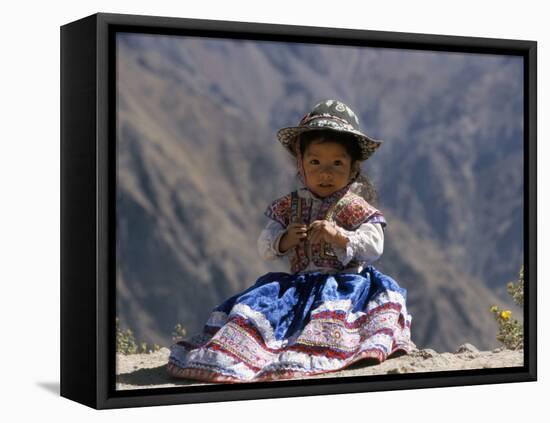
x,y
198,163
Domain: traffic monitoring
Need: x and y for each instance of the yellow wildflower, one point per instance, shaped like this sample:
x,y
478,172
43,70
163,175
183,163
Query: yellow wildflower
x,y
494,309
506,314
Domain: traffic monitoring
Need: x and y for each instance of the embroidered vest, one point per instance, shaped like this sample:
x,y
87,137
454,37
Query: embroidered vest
x,y
348,210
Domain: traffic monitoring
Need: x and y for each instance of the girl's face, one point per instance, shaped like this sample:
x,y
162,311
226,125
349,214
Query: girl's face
x,y
327,167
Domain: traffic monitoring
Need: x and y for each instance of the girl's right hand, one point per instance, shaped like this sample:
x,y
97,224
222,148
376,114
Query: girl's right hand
x,y
295,233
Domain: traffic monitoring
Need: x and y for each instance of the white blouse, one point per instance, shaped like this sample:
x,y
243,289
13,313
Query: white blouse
x,y
365,244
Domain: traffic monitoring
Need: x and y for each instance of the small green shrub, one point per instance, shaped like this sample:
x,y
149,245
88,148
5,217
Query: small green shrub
x,y
179,332
510,331
126,342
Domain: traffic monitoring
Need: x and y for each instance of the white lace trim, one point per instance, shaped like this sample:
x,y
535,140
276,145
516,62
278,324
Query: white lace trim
x,y
286,360
261,323
219,318
345,305
386,297
341,305
297,360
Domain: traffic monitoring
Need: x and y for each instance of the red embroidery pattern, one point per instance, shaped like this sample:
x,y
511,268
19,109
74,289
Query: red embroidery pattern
x,y
279,210
300,210
329,334
348,210
324,256
352,211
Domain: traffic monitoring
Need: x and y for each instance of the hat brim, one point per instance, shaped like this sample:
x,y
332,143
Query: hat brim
x,y
288,136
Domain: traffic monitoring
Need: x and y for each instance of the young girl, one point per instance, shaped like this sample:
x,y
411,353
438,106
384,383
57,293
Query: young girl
x,y
333,308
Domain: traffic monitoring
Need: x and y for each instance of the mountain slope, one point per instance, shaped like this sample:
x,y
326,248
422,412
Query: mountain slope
x,y
198,163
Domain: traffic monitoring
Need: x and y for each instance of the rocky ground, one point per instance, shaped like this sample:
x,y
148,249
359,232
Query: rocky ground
x,y
144,371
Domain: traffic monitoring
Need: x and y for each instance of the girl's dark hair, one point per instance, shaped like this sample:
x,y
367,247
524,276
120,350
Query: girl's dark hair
x,y
349,142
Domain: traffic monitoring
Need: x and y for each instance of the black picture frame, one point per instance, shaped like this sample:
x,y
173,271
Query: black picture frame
x,y
88,197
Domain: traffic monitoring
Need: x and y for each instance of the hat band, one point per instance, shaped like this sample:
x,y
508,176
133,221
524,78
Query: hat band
x,y
308,119
327,120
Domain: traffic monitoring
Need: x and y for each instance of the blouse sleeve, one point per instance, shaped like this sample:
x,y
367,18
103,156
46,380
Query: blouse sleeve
x,y
268,241
365,244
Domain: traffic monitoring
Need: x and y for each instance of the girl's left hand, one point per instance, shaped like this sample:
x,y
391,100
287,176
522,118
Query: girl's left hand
x,y
322,230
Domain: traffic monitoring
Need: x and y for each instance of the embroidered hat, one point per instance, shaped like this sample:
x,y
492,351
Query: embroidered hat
x,y
332,115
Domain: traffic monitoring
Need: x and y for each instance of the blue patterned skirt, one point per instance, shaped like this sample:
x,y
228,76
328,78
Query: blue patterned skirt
x,y
297,324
